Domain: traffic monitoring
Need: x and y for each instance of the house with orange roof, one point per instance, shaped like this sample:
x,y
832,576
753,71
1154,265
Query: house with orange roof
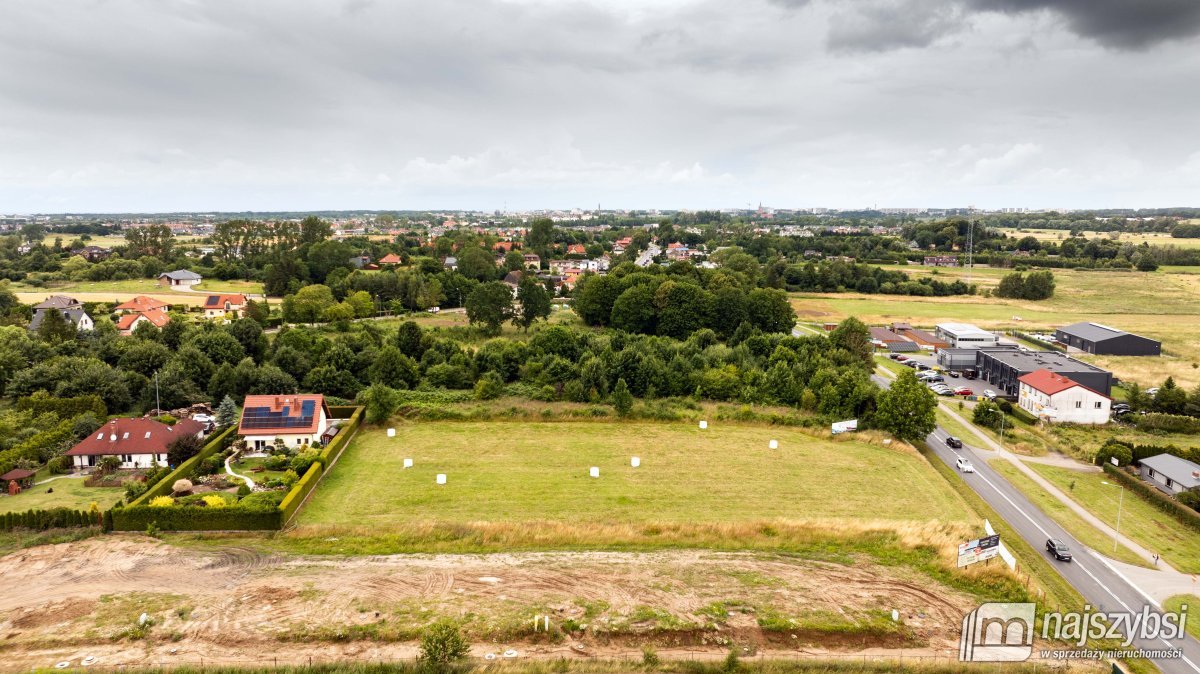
x,y
220,306
297,420
1056,397
141,303
128,322
390,258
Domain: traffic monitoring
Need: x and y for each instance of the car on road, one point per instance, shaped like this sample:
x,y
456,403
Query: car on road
x,y
964,391
964,465
1058,550
989,394
953,442
954,373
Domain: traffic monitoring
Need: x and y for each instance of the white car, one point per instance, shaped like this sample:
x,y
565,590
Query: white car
x,y
964,465
989,394
1152,391
203,418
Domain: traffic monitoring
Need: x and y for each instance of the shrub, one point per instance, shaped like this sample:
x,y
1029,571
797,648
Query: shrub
x,y
300,463
443,643
649,656
214,501
162,502
290,477
1114,448
276,462
59,465
182,486
183,448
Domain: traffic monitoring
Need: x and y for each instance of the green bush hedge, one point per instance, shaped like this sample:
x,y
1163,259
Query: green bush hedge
x,y
339,442
1159,500
218,443
54,518
1168,423
295,498
193,518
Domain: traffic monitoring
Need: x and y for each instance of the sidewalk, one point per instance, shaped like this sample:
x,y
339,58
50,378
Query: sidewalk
x,y
1054,491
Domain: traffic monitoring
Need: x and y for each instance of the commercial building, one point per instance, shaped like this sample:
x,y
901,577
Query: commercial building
x,y
1103,340
1003,368
965,335
964,358
1053,397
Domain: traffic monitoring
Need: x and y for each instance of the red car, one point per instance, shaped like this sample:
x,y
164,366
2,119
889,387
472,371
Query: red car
x,y
901,358
963,391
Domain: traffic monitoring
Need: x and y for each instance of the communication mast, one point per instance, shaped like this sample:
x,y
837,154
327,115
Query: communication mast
x,y
970,249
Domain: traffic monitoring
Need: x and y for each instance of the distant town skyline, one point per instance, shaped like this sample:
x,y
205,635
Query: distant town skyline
x,y
129,106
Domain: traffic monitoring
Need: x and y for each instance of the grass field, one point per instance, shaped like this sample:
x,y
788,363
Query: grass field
x,y
1152,238
108,240
1162,305
524,472
68,492
142,286
1172,605
1059,512
1140,521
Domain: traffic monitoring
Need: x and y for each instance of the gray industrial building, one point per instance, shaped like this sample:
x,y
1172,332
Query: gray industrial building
x,y
964,358
1002,368
1103,340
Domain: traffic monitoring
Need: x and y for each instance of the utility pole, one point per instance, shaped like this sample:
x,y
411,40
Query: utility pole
x,y
970,249
157,399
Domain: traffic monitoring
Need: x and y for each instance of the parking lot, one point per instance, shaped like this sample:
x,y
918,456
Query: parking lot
x,y
977,386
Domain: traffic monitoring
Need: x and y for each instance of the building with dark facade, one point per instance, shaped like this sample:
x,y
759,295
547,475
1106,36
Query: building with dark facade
x,y
1003,367
1103,340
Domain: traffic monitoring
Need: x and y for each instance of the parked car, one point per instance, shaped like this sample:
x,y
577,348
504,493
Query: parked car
x,y
1152,391
944,391
954,373
911,363
953,442
1058,550
989,394
203,418
894,356
900,357
921,367
964,391
964,465
970,374
935,379
1121,407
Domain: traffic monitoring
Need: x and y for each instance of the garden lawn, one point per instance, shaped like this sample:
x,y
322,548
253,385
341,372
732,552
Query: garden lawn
x,y
69,492
247,466
1141,521
515,471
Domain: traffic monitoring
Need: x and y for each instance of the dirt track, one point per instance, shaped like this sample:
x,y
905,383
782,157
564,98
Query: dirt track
x,y
67,601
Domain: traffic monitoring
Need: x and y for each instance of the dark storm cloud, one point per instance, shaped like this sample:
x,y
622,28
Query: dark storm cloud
x,y
1121,24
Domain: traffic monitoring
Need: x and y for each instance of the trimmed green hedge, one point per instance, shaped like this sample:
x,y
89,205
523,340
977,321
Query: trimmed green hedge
x,y
193,518
54,518
295,498
335,447
1159,500
218,443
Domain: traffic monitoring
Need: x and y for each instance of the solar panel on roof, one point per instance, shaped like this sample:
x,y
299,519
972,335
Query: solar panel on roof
x,y
213,301
261,418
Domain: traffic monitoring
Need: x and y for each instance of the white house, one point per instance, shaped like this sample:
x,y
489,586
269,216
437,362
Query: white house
x,y
140,443
1054,397
218,306
965,335
298,420
179,277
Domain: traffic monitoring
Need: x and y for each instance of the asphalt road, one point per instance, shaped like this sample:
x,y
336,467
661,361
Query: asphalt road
x,y
1105,588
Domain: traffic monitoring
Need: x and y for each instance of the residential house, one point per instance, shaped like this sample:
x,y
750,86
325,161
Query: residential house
x,y
297,420
576,249
390,258
941,261
179,278
513,280
139,443
70,309
360,261
128,322
1055,397
141,303
92,253
532,261
220,306
450,263
1170,473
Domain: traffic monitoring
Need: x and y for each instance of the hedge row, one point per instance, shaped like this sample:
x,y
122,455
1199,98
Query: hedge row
x,y
1168,423
334,449
300,491
192,518
1159,500
163,487
54,518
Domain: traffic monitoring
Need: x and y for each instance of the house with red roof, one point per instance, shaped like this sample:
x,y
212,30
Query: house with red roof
x,y
390,258
127,323
141,303
139,443
297,420
220,306
576,249
1058,398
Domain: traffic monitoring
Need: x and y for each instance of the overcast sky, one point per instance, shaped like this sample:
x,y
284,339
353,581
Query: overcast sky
x,y
160,105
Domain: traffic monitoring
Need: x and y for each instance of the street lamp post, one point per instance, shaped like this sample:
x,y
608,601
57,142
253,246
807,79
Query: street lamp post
x,y
997,410
1120,506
